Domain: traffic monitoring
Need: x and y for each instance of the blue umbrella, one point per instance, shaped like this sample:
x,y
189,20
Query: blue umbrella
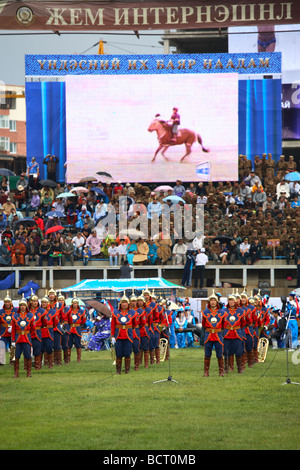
x,y
55,214
294,176
173,199
98,191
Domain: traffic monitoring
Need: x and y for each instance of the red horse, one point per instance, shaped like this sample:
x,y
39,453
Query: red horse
x,y
164,135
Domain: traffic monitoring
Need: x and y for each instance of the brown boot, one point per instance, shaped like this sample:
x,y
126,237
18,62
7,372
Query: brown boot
x,y
16,368
36,362
79,355
226,363
59,357
255,351
127,364
152,356
146,359
50,360
206,366
231,363
239,363
141,357
221,366
249,359
118,365
28,367
157,355
66,356
137,361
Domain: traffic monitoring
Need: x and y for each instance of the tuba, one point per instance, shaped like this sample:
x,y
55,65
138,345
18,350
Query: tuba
x,y
163,347
262,349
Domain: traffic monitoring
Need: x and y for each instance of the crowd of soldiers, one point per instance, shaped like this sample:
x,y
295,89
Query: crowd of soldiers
x,y
46,328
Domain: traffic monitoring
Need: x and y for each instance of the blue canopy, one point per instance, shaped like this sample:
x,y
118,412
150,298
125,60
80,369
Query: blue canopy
x,y
119,285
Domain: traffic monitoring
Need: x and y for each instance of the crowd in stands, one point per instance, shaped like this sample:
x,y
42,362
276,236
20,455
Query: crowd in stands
x,y
240,218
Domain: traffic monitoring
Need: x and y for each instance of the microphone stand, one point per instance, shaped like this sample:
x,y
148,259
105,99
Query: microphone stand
x,y
288,380
169,379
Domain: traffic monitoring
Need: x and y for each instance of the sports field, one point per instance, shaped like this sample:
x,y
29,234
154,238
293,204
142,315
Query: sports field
x,y
86,406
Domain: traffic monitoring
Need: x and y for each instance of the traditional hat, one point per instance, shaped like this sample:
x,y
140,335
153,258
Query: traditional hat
x,y
231,296
124,298
7,298
141,297
133,297
33,296
23,301
52,291
60,296
153,295
237,293
244,293
75,300
146,291
213,296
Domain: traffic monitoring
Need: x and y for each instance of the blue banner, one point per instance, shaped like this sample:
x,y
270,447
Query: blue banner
x,y
62,65
46,124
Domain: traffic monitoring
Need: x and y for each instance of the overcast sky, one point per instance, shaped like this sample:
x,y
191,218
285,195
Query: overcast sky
x,y
14,47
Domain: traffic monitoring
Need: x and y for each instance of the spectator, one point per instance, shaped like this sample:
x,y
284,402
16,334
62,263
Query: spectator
x,y
32,252
282,189
34,202
22,181
255,251
93,242
55,253
233,252
67,249
122,251
113,254
86,255
5,253
259,197
46,202
179,189
18,252
152,254
79,242
215,251
291,251
44,251
51,161
179,252
224,253
244,250
8,206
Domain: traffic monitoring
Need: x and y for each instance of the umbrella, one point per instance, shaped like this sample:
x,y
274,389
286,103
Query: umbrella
x,y
223,239
173,199
132,233
6,172
172,306
87,179
80,189
69,300
61,195
163,188
98,191
55,214
25,221
294,176
49,183
103,173
56,228
99,307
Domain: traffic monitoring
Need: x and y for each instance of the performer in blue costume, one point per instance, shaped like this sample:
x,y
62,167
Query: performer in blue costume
x,y
101,333
291,313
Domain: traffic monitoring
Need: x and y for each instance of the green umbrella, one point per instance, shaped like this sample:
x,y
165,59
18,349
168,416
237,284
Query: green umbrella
x,y
66,195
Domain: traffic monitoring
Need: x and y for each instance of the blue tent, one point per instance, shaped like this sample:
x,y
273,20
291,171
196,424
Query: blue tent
x,y
119,285
114,287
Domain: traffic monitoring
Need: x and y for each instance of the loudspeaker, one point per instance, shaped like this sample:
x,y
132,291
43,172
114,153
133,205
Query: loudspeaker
x,y
198,293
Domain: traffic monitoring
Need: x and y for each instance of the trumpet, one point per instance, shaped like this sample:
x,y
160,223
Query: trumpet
x,y
262,349
12,353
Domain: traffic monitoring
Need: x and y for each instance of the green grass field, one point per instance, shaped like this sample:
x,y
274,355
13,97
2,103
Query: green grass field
x,y
87,406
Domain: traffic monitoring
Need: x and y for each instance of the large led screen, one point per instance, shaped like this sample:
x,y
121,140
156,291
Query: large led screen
x,y
112,125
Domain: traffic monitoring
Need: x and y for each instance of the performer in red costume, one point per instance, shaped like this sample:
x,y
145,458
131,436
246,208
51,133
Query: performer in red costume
x,y
49,322
77,320
143,313
122,325
36,337
136,334
213,323
150,304
234,323
6,314
22,328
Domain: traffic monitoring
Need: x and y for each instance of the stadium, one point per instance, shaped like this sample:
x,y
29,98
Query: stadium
x,y
149,221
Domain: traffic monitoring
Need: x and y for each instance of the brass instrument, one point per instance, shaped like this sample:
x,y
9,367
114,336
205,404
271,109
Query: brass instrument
x,y
12,353
262,349
163,347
